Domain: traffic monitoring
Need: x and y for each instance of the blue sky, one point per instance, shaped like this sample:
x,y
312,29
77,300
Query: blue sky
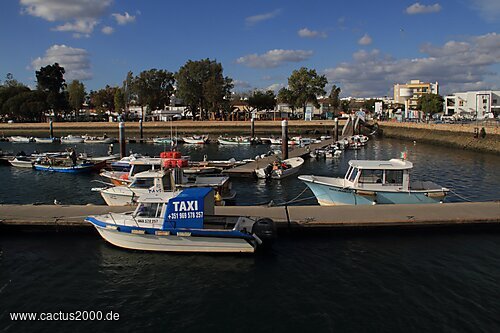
x,y
362,46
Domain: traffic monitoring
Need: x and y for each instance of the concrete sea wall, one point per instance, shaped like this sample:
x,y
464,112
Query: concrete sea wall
x,y
459,136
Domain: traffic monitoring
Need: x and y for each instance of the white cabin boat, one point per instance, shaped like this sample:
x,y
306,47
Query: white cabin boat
x,y
374,182
240,140
280,170
184,223
45,140
71,139
19,139
195,139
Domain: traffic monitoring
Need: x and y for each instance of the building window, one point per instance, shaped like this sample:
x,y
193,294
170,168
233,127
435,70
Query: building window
x,y
495,101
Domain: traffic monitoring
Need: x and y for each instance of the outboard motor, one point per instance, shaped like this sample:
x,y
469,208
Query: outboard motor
x,y
265,229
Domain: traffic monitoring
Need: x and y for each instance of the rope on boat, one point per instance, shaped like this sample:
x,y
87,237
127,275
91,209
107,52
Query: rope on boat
x,y
295,199
461,197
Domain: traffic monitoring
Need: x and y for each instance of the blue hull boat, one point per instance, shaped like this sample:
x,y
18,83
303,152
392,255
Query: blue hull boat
x,y
79,168
374,182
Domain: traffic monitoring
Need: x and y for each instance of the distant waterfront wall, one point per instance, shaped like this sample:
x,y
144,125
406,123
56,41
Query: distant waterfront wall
x,y
155,129
453,135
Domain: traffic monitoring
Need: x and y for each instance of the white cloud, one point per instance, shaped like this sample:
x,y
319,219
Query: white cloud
x,y
78,16
488,9
123,19
306,33
365,40
76,62
85,26
456,65
251,20
274,58
417,8
107,30
275,87
238,84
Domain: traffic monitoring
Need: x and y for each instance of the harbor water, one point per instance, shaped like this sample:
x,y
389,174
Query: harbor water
x,y
390,281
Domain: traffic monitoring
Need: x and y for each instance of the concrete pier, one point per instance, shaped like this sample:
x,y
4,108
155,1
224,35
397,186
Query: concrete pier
x,y
316,217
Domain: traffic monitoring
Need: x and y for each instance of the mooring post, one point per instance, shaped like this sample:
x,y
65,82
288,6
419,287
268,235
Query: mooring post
x,y
121,128
284,139
140,130
336,130
51,129
252,127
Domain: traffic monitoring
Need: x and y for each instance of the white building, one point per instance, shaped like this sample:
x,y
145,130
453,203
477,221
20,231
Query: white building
x,y
409,93
473,104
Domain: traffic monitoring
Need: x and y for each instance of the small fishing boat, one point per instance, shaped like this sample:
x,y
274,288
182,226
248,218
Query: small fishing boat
x,y
374,182
166,141
78,168
45,140
71,139
22,162
20,139
239,140
195,139
184,223
280,170
291,142
99,139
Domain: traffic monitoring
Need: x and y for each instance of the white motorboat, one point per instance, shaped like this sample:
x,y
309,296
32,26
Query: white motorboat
x,y
19,139
280,169
240,140
142,183
195,139
44,140
71,139
22,162
374,182
99,139
184,223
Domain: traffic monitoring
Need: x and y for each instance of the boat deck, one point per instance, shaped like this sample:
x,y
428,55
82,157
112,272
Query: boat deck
x,y
247,170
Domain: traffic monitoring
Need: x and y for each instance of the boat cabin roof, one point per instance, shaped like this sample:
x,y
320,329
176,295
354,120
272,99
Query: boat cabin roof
x,y
392,164
146,161
150,174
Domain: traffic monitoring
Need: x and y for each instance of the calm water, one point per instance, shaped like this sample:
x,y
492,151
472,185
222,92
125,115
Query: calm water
x,y
415,281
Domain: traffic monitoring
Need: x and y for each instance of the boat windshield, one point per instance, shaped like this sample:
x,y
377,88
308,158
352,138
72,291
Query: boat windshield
x,y
140,168
394,177
353,174
149,209
371,176
143,183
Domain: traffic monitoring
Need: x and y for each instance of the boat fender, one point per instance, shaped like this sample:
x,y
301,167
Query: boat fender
x,y
265,229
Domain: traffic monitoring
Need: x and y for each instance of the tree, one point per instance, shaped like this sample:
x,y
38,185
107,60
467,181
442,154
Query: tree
x,y
203,87
262,100
430,103
119,100
103,99
26,106
334,98
153,88
304,86
345,105
50,79
369,104
76,96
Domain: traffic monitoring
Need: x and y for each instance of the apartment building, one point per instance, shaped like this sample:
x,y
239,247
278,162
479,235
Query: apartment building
x,y
473,104
409,93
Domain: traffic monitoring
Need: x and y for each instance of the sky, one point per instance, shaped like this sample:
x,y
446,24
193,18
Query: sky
x,y
365,47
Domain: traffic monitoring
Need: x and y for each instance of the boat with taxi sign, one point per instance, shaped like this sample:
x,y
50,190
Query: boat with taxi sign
x,y
369,182
184,223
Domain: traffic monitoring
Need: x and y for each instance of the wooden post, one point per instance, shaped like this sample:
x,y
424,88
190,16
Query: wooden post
x,y
252,128
336,130
51,129
140,130
284,139
121,128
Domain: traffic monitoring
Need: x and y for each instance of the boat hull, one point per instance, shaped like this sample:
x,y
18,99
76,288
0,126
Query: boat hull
x,y
174,243
328,195
72,169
